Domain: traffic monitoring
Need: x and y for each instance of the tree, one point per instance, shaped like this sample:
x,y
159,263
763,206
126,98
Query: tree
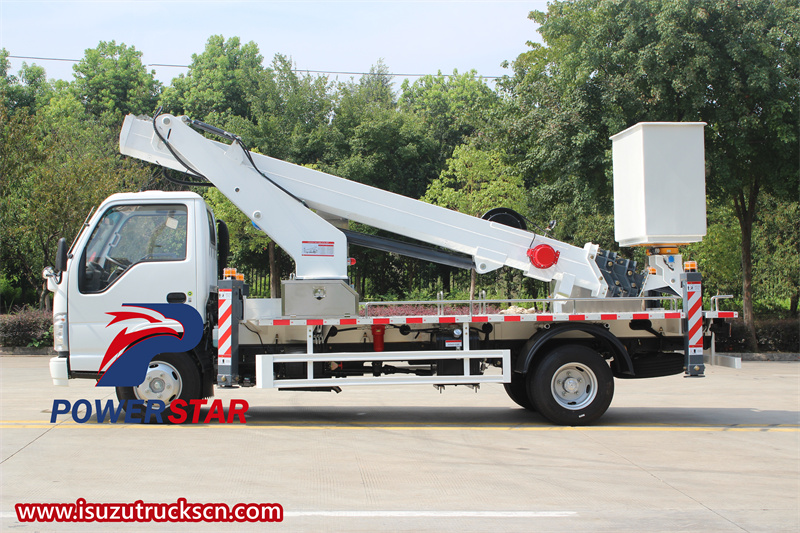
x,y
474,182
454,107
607,65
29,90
372,142
290,114
221,80
54,166
777,253
111,82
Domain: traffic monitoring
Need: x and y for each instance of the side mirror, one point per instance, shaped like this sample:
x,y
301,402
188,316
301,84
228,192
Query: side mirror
x,y
61,255
223,247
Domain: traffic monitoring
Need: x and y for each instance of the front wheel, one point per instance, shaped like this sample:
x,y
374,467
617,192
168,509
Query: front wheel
x,y
170,376
572,386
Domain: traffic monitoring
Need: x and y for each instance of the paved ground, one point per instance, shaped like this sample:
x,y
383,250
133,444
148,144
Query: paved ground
x,y
672,454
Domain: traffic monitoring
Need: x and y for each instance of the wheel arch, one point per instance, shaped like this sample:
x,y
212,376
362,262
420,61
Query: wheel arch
x,y
537,346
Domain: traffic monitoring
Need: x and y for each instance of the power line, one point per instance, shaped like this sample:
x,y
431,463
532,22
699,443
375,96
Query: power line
x,y
167,65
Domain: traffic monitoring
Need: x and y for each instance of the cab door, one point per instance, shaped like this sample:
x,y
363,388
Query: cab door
x,y
137,253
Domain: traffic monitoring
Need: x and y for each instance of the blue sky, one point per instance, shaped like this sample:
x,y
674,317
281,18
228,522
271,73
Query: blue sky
x,y
416,37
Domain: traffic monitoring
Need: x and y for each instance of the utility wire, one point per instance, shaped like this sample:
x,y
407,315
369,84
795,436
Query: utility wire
x,y
168,65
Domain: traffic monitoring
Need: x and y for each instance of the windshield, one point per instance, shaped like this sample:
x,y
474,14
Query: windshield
x,y
129,235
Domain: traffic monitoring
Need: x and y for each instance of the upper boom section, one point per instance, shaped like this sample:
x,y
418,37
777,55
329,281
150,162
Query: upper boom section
x,y
318,248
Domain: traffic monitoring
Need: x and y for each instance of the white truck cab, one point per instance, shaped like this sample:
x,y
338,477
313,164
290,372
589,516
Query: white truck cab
x,y
147,247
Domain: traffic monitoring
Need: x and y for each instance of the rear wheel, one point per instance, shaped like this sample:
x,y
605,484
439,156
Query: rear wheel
x,y
517,390
571,386
170,376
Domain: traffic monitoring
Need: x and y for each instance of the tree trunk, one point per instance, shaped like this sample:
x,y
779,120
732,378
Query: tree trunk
x,y
444,272
274,274
745,212
44,298
357,284
473,278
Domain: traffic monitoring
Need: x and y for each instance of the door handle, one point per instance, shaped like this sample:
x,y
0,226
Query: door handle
x,y
176,298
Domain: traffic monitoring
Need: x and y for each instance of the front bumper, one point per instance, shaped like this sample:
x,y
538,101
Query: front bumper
x,y
59,371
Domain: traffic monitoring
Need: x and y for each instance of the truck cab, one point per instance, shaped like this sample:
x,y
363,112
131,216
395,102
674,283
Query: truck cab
x,y
139,248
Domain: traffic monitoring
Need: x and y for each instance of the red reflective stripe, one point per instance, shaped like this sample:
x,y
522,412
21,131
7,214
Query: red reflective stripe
x,y
281,322
727,314
414,320
577,317
608,317
672,315
544,318
348,322
697,307
447,320
226,315
381,320
315,322
512,318
694,330
222,340
641,316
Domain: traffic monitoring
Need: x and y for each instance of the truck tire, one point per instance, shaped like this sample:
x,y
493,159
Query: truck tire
x,y
169,376
571,386
517,390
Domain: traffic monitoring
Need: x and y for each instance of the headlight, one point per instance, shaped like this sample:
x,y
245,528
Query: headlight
x,y
60,341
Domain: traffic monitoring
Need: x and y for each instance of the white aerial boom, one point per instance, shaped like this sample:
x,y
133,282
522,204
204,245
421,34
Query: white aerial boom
x,y
280,198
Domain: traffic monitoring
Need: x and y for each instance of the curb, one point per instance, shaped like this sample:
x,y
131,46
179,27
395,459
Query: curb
x,y
23,351
764,356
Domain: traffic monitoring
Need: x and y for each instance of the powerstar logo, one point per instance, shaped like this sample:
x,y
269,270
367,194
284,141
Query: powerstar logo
x,y
166,328
171,328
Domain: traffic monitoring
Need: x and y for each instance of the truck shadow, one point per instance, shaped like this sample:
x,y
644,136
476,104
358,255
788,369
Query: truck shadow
x,y
511,417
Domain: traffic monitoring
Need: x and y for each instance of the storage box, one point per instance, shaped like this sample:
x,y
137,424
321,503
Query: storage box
x,y
304,298
659,183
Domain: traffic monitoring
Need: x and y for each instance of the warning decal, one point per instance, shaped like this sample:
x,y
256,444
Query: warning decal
x,y
317,248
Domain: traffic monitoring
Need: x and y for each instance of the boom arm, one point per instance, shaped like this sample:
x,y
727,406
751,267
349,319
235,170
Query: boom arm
x,y
318,248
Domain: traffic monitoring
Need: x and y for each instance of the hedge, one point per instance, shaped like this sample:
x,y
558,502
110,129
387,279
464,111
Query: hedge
x,y
774,335
27,327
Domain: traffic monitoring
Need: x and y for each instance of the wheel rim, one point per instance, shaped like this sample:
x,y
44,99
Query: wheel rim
x,y
574,386
162,382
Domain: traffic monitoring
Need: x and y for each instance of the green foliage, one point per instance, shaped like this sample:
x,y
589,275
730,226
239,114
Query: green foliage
x,y
111,82
28,91
45,162
26,327
455,107
538,145
476,181
719,254
10,291
608,65
221,80
777,254
246,240
290,114
390,150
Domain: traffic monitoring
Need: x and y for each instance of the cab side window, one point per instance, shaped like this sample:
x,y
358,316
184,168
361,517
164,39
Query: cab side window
x,y
130,235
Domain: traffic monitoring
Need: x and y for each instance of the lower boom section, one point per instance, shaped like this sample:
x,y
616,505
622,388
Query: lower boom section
x,y
437,367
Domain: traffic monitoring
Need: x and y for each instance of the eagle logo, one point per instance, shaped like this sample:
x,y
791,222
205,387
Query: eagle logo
x,y
166,328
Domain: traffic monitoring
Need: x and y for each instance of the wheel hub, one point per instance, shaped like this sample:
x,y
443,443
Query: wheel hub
x,y
157,385
571,385
162,382
574,386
